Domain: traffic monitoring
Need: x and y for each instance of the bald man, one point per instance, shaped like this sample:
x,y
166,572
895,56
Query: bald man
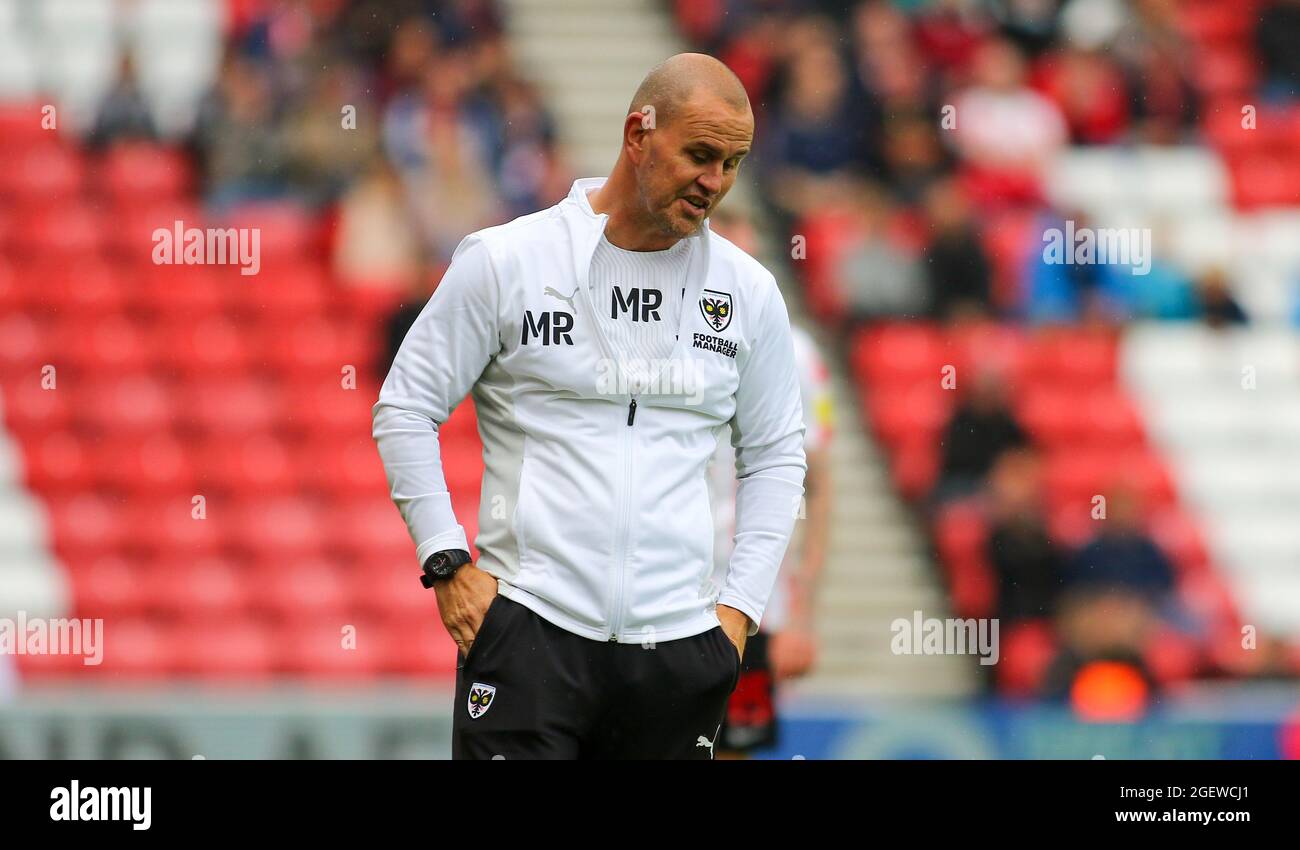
x,y
608,342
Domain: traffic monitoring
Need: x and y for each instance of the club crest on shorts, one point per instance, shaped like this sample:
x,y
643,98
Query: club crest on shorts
x,y
716,309
480,699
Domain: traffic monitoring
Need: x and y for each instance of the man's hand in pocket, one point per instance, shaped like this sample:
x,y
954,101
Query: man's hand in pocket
x,y
463,601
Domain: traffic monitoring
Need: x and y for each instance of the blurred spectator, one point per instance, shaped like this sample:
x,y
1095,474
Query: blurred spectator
x,y
813,137
1027,564
1276,36
529,171
1030,24
242,148
1006,131
123,113
982,427
913,156
375,244
1219,308
1122,557
956,266
1155,58
878,277
439,138
889,67
950,33
324,155
1090,91
1058,291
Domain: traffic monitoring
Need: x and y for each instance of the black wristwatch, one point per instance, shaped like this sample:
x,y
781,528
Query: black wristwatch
x,y
443,565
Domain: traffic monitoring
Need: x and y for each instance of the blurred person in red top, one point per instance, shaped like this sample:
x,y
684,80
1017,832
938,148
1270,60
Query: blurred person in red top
x,y
1005,131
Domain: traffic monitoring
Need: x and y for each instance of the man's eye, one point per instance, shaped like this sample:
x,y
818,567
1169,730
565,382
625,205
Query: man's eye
x,y
700,157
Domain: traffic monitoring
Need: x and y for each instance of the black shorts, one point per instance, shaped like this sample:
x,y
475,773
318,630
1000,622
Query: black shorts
x,y
750,723
531,690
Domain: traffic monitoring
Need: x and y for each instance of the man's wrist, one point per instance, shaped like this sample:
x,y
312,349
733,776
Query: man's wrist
x,y
442,566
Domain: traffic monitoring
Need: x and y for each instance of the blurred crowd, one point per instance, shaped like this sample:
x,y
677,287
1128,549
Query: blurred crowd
x,y
905,143
909,128
443,136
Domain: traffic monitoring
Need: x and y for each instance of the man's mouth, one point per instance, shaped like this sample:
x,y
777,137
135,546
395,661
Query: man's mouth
x,y
697,204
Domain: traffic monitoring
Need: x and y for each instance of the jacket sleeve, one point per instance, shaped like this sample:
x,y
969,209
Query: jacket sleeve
x,y
767,432
452,341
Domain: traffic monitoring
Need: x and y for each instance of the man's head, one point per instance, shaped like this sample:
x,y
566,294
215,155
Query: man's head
x,y
687,129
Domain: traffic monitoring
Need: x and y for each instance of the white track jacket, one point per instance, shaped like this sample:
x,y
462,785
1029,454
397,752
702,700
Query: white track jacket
x,y
595,508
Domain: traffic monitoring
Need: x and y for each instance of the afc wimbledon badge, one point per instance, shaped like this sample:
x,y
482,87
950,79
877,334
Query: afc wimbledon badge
x,y
716,307
480,699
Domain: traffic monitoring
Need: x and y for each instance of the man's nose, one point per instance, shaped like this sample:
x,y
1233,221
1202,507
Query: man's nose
x,y
711,179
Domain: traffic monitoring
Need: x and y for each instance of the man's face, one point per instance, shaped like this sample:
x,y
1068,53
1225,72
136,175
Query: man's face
x,y
688,166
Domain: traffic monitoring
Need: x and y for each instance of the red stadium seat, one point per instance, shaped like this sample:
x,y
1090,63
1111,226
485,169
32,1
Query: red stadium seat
x,y
349,468
915,466
335,649
24,345
144,464
420,646
176,526
134,403
178,293
900,354
303,591
1172,657
395,593
230,407
107,345
1265,180
21,127
141,170
108,586
1028,649
88,522
42,175
255,464
57,463
212,348
368,524
1072,359
284,527
915,412
325,408
203,591
138,649
90,289
68,230
234,650
31,408
137,218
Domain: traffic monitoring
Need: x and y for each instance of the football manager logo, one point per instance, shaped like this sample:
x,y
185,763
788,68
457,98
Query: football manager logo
x,y
716,307
480,699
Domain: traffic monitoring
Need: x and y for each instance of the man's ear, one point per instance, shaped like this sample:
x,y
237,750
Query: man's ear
x,y
636,131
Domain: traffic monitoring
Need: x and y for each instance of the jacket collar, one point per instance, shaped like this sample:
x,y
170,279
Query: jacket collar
x,y
586,227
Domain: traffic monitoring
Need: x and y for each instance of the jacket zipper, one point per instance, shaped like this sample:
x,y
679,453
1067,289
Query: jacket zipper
x,y
624,528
